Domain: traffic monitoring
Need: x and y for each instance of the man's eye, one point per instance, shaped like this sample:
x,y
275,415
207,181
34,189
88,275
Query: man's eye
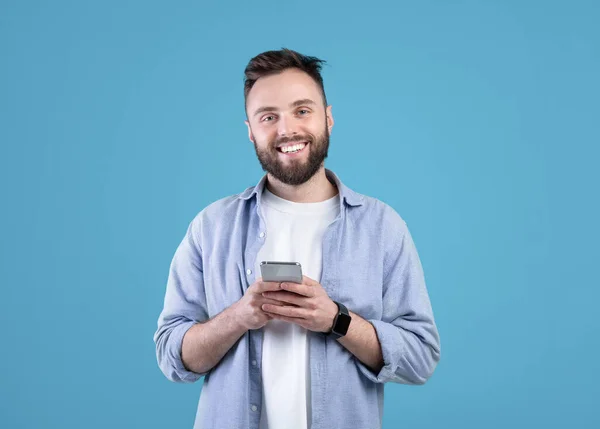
x,y
302,110
267,117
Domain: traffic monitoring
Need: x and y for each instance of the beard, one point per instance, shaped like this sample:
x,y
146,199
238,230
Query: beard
x,y
295,171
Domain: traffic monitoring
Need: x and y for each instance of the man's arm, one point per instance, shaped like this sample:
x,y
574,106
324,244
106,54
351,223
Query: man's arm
x,y
361,340
407,336
205,344
188,343
403,346
184,307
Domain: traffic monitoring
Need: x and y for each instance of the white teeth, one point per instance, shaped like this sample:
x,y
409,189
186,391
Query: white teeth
x,y
294,148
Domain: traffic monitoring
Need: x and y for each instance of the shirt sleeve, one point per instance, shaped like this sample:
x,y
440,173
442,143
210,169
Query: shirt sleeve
x,y
409,339
184,306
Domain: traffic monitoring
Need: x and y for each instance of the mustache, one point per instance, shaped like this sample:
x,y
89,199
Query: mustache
x,y
292,140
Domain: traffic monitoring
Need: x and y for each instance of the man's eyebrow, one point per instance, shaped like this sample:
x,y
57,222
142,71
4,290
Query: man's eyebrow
x,y
304,101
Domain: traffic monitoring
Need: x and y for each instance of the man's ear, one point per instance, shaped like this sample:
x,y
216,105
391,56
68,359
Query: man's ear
x,y
329,118
250,135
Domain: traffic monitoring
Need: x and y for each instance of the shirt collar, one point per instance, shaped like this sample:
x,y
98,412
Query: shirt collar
x,y
346,194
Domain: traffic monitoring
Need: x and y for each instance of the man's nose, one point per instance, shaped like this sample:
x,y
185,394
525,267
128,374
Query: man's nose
x,y
286,127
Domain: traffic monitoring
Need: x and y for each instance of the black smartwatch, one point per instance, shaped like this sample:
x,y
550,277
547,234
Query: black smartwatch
x,y
340,323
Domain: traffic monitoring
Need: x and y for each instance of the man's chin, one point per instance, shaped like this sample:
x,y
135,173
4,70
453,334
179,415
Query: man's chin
x,y
293,178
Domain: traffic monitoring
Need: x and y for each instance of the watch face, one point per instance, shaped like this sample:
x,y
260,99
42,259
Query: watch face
x,y
343,322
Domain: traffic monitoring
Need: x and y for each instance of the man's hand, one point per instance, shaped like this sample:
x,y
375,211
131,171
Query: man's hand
x,y
306,304
248,310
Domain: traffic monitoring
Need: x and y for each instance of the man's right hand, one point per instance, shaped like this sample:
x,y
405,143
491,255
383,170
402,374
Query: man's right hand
x,y
248,309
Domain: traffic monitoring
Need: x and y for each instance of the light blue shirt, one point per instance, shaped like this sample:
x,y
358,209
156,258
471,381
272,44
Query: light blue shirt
x,y
370,264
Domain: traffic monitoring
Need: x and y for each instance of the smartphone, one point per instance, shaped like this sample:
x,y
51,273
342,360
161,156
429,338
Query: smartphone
x,y
276,271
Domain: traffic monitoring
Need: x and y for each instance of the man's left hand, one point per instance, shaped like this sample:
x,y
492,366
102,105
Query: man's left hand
x,y
306,304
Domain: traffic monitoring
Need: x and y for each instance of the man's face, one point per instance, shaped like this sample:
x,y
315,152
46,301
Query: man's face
x,y
287,109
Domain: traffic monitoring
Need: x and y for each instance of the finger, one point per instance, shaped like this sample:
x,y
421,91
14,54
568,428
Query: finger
x,y
269,301
294,320
287,297
285,310
298,288
267,286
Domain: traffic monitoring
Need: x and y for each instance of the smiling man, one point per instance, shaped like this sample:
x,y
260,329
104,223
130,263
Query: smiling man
x,y
304,355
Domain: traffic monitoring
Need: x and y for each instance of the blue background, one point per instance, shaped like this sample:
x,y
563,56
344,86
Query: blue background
x,y
477,121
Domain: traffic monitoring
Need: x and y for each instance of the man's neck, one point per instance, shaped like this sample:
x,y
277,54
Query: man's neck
x,y
317,189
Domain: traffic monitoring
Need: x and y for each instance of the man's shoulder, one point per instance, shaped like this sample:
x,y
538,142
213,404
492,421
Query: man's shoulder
x,y
225,208
380,213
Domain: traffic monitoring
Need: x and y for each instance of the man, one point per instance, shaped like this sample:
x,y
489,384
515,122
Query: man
x,y
276,355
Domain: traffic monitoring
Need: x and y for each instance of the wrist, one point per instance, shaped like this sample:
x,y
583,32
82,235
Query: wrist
x,y
236,319
341,322
332,315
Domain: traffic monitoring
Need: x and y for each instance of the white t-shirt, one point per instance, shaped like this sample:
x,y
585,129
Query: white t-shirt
x,y
294,234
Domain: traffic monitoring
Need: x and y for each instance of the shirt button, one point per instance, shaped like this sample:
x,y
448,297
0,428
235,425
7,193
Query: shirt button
x,y
248,271
254,408
253,363
262,234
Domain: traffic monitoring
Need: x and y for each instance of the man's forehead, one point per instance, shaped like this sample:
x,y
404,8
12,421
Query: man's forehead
x,y
280,90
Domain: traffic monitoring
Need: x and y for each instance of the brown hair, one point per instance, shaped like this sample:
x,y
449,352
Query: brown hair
x,y
273,62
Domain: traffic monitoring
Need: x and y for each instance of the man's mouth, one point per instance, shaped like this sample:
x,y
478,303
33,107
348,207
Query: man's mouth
x,y
292,148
